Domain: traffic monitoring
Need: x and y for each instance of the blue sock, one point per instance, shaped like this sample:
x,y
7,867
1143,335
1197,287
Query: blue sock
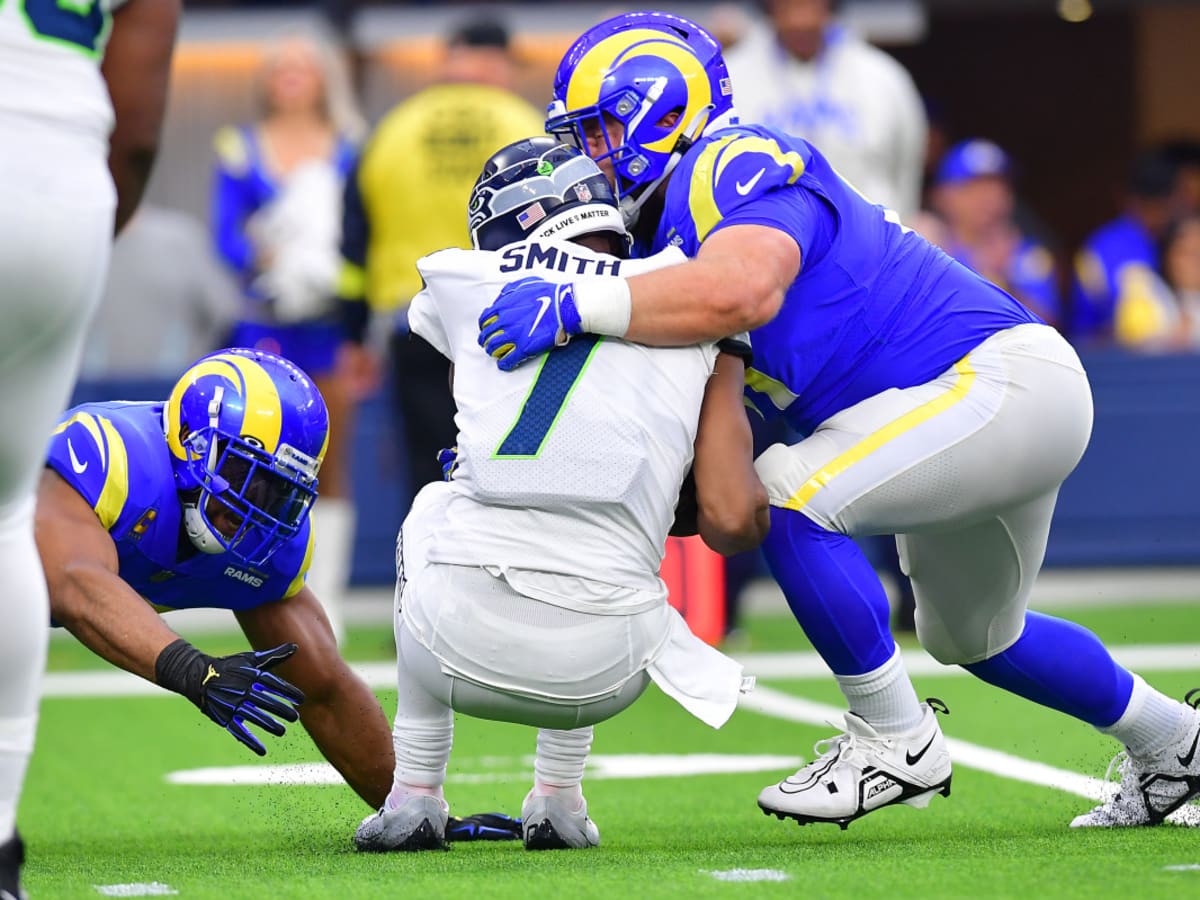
x,y
833,592
1063,666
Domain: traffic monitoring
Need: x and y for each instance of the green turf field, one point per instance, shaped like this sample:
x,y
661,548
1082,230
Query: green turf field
x,y
98,810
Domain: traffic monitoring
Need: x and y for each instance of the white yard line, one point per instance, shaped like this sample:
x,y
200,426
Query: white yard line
x,y
1138,657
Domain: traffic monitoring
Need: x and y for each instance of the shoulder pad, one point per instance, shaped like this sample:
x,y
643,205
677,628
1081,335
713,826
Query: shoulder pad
x,y
734,170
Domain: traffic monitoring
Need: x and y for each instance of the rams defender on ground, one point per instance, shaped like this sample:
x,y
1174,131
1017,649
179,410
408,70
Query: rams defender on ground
x,y
203,501
529,584
938,409
78,132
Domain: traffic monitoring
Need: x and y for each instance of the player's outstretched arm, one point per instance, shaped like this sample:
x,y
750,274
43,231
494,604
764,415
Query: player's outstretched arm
x,y
732,510
340,712
137,65
89,598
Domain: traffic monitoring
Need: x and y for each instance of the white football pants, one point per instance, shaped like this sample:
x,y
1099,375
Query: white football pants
x,y
56,224
964,470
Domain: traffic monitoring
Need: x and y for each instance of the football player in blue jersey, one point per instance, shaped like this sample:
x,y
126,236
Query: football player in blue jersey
x,y
203,501
936,407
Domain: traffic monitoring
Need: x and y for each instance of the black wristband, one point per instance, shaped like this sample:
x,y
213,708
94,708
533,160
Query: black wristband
x,y
737,346
180,667
355,315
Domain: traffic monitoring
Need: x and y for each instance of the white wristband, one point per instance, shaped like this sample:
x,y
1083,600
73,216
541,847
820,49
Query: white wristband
x,y
604,305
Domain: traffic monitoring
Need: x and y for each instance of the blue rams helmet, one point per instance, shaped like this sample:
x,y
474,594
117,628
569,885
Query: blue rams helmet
x,y
539,188
247,431
636,68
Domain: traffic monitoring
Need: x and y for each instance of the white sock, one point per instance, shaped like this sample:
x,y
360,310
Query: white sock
x,y
560,761
884,698
25,612
401,792
333,546
1151,721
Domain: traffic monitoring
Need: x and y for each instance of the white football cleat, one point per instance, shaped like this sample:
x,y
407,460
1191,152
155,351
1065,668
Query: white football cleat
x,y
419,823
1156,788
548,823
862,770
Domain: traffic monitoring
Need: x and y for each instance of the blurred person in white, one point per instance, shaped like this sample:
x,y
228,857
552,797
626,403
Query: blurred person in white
x,y
167,301
276,220
809,76
974,199
85,87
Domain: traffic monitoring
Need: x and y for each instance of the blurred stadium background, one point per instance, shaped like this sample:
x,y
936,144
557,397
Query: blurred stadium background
x,y
1071,89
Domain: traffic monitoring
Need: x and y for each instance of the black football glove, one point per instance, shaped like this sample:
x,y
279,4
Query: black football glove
x,y
483,827
234,690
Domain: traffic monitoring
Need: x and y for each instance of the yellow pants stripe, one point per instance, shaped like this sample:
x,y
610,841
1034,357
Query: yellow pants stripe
x,y
886,434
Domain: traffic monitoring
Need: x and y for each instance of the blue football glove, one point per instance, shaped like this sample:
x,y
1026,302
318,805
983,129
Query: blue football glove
x,y
448,457
528,317
483,827
234,690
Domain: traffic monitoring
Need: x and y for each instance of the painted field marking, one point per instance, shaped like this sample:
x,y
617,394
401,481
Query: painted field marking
x,y
150,889
1188,867
1138,657
617,766
747,874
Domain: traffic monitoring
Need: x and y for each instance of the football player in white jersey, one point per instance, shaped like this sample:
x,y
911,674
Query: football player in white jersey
x,y
80,127
528,586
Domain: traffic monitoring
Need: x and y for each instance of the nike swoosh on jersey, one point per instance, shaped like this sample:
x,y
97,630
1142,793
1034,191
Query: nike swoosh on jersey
x,y
545,301
78,467
1186,760
913,758
744,189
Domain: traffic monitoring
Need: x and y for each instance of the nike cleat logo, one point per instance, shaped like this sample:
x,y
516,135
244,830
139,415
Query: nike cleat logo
x,y
212,673
1186,760
78,467
913,758
545,301
746,188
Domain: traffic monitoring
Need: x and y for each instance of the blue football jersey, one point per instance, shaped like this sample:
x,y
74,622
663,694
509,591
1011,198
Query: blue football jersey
x,y
1097,288
116,457
875,306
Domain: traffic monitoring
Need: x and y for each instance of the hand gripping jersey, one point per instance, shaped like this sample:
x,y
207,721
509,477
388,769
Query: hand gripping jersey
x,y
875,306
573,462
115,456
50,55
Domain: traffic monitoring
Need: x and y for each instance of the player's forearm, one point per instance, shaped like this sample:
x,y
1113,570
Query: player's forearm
x,y
136,67
108,618
352,733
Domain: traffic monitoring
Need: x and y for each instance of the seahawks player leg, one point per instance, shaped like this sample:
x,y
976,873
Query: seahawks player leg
x,y
53,255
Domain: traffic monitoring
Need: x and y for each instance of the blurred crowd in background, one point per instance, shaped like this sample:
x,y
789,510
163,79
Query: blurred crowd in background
x,y
316,215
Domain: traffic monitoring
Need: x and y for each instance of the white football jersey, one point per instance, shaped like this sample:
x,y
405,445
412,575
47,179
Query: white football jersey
x,y
573,462
50,55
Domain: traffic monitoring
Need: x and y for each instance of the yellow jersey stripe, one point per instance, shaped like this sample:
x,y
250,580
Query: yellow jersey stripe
x,y
116,478
298,582
886,434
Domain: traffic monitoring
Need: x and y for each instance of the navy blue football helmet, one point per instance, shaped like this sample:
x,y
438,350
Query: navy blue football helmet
x,y
539,188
